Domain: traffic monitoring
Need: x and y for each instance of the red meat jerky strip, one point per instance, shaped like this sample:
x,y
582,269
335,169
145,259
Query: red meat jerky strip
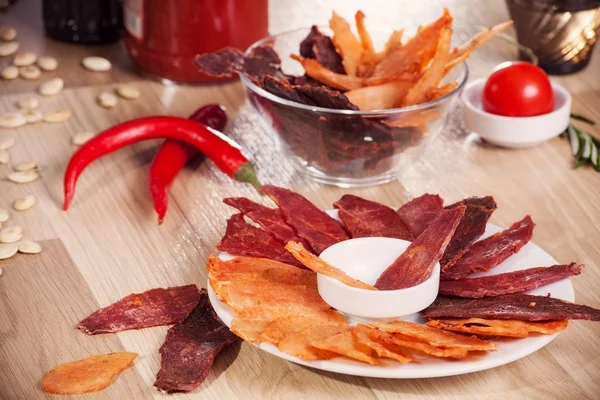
x,y
153,307
490,252
243,239
418,213
519,306
190,349
416,263
321,48
311,224
471,227
363,218
270,219
510,282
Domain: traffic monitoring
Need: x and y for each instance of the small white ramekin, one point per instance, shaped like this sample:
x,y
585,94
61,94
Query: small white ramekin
x,y
365,259
515,131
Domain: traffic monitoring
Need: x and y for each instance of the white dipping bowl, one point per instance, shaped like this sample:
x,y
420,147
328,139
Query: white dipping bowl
x,y
515,131
365,259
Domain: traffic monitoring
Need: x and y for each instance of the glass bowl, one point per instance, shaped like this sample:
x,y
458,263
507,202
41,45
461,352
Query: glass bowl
x,y
348,148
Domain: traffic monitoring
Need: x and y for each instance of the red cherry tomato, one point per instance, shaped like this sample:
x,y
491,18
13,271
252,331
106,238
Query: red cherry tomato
x,y
518,89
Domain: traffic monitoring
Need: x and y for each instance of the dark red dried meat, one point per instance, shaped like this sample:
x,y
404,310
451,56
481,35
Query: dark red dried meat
x,y
320,47
310,223
471,227
243,239
154,307
519,306
418,213
363,217
418,260
282,88
490,252
266,52
510,282
326,97
221,64
190,349
270,219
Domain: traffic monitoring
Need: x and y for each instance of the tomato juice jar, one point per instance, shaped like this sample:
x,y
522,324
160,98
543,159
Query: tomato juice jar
x,y
164,36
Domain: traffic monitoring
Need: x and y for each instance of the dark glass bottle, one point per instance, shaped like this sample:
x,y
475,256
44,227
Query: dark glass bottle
x,y
84,21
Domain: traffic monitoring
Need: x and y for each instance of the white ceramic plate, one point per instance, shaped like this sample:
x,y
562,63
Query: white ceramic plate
x,y
428,367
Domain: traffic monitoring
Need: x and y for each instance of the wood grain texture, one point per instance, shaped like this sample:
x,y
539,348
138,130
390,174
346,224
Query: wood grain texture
x,y
110,232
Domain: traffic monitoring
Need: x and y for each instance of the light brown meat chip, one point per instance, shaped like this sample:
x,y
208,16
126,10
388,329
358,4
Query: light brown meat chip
x,y
284,327
346,345
408,342
362,336
300,344
436,337
87,375
313,262
499,327
261,268
349,47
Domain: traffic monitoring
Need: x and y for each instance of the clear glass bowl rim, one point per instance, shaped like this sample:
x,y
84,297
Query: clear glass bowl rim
x,y
270,96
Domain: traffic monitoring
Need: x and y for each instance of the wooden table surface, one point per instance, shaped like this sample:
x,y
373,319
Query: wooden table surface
x,y
108,245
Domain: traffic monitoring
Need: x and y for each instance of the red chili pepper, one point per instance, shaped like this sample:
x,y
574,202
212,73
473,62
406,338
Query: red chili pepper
x,y
173,155
224,152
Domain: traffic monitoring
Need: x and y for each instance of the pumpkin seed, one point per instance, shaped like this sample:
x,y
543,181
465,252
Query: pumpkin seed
x,y
25,59
12,120
32,116
10,72
3,215
96,64
47,63
29,247
8,33
25,166
107,100
24,203
128,92
8,48
7,250
24,176
28,103
11,234
30,72
57,116
51,87
4,157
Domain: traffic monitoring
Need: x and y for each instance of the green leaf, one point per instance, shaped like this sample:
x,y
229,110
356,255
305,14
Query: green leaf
x,y
573,139
579,163
582,118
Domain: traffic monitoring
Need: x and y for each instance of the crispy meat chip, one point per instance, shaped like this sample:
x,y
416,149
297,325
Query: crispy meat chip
x,y
380,97
497,327
519,306
471,227
490,252
363,217
509,282
87,375
315,226
345,344
313,262
190,349
421,211
154,307
363,338
435,337
441,91
418,260
300,344
431,78
243,239
407,342
347,45
416,52
270,219
326,76
281,328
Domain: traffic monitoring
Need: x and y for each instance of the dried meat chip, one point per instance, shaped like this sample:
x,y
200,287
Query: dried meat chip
x,y
325,97
190,348
270,219
416,263
300,344
313,225
221,64
509,282
154,307
471,227
282,88
407,342
316,264
496,327
490,252
87,375
267,53
243,239
362,338
421,211
435,337
347,45
222,272
519,306
281,328
320,47
363,218
345,344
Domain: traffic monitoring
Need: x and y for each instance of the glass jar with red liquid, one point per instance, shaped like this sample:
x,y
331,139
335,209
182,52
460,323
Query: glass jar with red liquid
x,y
164,36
